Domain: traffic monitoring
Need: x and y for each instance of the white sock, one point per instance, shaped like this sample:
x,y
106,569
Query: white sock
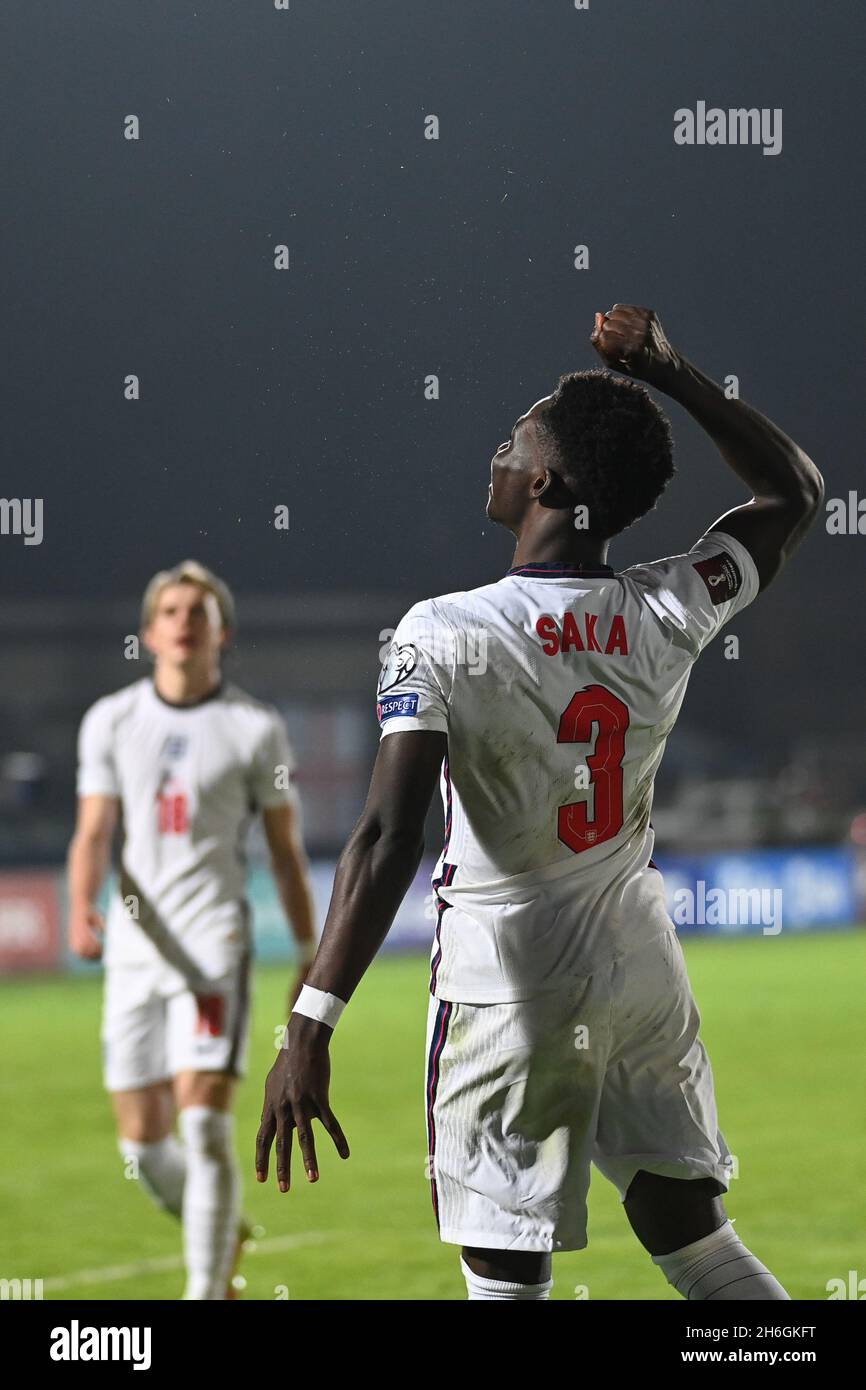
x,y
160,1168
719,1267
488,1289
211,1201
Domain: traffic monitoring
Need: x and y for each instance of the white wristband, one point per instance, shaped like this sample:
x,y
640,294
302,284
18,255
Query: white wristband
x,y
317,1004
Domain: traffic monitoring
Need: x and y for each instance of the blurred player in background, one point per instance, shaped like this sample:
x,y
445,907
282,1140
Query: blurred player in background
x,y
562,1029
186,759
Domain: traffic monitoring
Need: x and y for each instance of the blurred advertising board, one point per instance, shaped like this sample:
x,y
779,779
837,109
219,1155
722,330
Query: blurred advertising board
x,y
755,892
29,922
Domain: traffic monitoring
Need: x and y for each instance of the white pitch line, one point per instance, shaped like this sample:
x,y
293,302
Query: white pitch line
x,y
165,1264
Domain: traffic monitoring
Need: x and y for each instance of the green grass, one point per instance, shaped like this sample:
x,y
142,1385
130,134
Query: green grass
x,y
784,1025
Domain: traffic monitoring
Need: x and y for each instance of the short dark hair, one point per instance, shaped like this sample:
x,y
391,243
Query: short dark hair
x,y
612,445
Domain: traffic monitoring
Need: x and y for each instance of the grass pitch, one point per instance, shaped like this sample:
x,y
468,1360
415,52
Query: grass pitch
x,y
784,1024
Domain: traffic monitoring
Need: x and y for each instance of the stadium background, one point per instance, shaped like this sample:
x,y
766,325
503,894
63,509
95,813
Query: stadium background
x,y
306,389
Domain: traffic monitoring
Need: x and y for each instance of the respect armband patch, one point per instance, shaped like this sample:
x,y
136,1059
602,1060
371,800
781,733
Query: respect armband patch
x,y
397,706
721,576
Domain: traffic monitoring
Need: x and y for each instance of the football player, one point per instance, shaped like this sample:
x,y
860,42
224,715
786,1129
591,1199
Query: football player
x,y
562,1029
185,759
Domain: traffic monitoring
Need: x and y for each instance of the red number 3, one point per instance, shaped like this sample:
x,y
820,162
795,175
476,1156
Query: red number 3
x,y
595,704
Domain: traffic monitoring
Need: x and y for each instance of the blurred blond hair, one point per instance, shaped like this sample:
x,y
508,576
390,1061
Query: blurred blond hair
x,y
188,572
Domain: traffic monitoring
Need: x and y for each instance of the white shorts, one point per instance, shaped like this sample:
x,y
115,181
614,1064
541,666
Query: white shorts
x,y
151,1030
523,1097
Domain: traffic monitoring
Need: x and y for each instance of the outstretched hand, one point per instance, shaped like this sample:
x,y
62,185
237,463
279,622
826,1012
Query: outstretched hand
x,y
296,1093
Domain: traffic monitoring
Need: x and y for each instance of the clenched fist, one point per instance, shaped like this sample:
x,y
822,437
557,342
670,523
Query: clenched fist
x,y
86,929
631,340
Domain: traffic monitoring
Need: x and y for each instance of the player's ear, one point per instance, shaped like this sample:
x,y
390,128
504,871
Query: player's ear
x,y
542,482
226,637
146,639
550,486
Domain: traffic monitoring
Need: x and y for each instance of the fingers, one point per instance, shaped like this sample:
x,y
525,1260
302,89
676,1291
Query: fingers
x,y
614,346
629,312
599,324
277,1129
614,337
87,948
85,933
303,1124
284,1153
329,1120
264,1139
624,318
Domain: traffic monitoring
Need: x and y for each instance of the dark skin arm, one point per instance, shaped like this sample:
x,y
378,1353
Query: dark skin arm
x,y
788,489
375,870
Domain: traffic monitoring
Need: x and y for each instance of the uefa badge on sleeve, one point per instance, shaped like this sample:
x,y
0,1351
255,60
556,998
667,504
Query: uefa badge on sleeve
x,y
399,665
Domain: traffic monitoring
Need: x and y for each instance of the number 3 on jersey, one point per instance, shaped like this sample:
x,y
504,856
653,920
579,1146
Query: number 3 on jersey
x,y
595,704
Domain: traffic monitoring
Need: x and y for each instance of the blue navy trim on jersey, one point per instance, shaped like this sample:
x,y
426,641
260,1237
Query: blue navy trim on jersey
x,y
445,877
448,806
558,569
213,694
437,1045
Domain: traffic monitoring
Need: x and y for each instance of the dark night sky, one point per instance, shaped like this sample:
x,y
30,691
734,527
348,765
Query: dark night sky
x,y
411,257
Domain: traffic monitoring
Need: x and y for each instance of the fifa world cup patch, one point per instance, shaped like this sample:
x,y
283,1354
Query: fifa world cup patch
x,y
721,576
397,706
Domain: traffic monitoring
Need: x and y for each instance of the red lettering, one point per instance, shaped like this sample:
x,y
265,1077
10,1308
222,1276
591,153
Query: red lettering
x,y
618,639
571,639
571,634
546,629
591,640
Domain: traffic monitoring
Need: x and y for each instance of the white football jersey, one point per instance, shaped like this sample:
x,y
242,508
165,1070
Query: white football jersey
x,y
557,688
189,777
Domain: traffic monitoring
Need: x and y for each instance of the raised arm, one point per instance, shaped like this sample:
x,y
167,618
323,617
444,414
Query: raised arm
x,y
787,487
